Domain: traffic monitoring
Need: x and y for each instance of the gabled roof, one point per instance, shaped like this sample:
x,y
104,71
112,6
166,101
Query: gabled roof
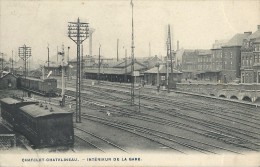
x,y
6,74
122,64
236,40
254,35
162,69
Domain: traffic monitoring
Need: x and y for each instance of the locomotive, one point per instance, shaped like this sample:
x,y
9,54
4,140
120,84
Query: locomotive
x,y
43,126
46,87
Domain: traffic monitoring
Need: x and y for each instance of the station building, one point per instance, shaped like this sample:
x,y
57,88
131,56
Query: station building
x,y
118,73
231,57
250,58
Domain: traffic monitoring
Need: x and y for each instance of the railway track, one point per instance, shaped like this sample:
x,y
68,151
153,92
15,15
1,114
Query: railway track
x,y
94,140
218,136
236,141
153,134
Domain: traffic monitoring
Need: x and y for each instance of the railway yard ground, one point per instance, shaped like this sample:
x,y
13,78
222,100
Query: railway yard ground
x,y
158,122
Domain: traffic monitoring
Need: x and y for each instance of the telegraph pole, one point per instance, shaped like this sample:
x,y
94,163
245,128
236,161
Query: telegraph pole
x,y
62,76
117,58
24,53
2,61
12,61
48,57
169,54
132,62
149,49
99,64
126,65
78,32
68,63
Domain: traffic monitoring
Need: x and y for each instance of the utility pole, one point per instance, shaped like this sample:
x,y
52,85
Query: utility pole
x,y
158,77
12,61
78,32
169,54
57,53
117,58
149,49
82,64
2,61
48,57
132,57
68,63
24,53
62,77
99,63
125,65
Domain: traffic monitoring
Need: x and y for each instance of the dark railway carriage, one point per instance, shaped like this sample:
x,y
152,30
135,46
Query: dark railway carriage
x,y
43,126
47,87
9,111
46,126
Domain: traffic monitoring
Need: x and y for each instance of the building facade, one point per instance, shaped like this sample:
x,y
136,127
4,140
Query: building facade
x,y
189,64
231,58
250,58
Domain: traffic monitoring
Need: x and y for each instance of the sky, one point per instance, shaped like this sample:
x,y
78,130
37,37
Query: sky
x,y
196,24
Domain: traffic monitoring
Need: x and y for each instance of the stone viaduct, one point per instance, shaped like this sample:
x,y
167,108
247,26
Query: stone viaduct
x,y
245,92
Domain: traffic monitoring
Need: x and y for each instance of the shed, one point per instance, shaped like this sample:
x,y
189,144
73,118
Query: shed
x,y
8,80
150,76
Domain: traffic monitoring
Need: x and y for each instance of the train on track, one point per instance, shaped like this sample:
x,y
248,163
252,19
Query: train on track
x,y
45,87
42,125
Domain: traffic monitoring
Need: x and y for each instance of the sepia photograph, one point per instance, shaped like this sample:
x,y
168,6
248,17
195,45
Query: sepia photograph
x,y
129,83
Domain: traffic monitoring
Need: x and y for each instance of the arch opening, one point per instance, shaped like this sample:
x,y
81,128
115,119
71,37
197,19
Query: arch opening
x,y
246,98
223,96
234,97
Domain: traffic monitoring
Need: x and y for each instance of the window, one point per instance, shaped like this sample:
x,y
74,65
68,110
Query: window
x,y
231,55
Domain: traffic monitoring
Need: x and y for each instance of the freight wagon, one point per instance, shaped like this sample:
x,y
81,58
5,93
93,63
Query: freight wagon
x,y
46,87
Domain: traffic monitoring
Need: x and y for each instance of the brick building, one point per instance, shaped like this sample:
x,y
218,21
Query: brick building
x,y
189,64
250,58
231,57
205,66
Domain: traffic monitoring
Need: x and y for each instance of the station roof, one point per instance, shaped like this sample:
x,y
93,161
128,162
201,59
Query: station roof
x,y
162,69
37,111
105,70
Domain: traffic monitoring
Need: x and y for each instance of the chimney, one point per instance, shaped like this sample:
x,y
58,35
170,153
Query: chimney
x,y
258,27
178,45
248,32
